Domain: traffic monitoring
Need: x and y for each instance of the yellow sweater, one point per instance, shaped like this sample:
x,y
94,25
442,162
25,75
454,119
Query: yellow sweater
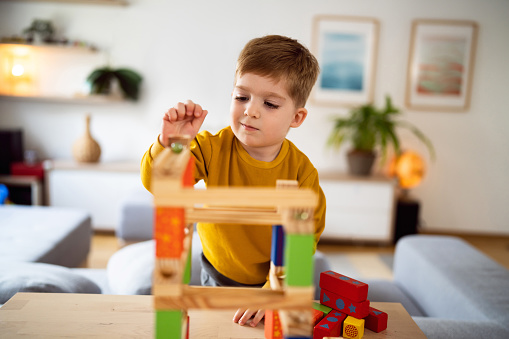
x,y
242,252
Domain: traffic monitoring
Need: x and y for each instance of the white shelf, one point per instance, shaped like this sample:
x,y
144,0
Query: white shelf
x,y
87,2
89,99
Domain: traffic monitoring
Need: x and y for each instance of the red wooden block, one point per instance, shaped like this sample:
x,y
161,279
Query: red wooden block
x,y
188,177
169,232
357,310
317,316
330,325
344,286
273,329
376,320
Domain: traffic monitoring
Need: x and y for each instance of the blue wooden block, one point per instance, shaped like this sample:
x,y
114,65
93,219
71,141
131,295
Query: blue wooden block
x,y
278,245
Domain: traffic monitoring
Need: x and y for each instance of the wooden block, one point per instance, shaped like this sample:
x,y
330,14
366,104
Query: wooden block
x,y
296,323
298,220
229,298
316,316
325,309
169,231
273,329
168,324
277,246
235,197
188,176
376,320
330,325
356,309
344,286
353,328
299,259
250,216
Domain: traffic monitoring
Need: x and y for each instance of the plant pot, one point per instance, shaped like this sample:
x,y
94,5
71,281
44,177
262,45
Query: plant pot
x,y
360,162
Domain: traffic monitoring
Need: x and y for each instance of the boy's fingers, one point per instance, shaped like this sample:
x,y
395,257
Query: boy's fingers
x,y
198,121
190,107
238,315
172,114
257,318
181,110
247,315
198,111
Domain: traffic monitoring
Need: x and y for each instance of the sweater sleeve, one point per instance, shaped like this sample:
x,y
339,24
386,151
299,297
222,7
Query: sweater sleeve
x,y
146,163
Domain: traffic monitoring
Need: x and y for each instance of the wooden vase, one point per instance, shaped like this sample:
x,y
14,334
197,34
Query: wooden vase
x,y
86,149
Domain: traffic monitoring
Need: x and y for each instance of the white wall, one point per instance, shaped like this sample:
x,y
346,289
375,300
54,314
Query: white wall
x,y
187,50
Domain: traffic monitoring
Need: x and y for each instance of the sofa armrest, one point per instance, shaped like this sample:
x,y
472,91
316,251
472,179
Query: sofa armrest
x,y
435,328
448,278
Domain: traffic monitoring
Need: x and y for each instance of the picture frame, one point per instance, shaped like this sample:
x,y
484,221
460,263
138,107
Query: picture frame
x,y
441,64
346,49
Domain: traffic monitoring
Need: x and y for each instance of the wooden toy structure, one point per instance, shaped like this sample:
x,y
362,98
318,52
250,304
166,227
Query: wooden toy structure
x,y
178,205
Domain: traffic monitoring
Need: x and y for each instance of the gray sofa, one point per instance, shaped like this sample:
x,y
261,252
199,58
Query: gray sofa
x,y
450,288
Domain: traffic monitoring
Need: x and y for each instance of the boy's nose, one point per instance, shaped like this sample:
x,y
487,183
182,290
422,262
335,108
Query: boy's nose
x,y
251,111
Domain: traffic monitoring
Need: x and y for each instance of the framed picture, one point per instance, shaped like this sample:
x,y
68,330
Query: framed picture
x,y
441,63
346,51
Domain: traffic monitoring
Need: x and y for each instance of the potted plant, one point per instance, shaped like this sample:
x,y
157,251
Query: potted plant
x,y
368,129
101,80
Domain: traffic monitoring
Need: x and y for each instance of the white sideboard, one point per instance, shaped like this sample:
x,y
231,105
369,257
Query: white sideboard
x,y
98,188
359,208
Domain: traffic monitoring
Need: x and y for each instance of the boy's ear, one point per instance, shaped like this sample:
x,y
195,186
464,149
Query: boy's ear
x,y
299,117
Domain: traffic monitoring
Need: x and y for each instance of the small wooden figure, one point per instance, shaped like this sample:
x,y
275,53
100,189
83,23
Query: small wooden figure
x,y
376,321
342,285
358,310
278,242
329,326
353,328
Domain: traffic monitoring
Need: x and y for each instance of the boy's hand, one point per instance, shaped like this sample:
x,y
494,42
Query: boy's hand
x,y
242,316
183,118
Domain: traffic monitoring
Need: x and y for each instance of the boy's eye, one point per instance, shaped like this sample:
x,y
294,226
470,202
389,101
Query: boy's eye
x,y
241,98
271,105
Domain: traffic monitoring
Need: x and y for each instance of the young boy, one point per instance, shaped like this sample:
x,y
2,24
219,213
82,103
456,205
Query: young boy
x,y
273,79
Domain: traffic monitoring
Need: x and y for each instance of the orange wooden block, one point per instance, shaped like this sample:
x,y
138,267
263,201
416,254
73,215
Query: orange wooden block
x,y
188,177
169,231
273,329
317,316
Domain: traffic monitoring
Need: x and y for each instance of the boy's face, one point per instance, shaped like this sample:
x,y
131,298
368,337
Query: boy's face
x,y
262,112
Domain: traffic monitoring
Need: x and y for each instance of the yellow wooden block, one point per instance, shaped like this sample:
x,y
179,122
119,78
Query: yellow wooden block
x,y
353,328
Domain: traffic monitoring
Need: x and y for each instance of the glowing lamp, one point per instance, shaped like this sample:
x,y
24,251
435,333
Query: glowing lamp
x,y
409,168
17,70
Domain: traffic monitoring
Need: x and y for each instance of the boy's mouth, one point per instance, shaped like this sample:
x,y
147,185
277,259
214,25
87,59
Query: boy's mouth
x,y
248,127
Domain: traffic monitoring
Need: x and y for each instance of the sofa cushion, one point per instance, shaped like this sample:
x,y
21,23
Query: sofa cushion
x,y
130,268
38,277
52,235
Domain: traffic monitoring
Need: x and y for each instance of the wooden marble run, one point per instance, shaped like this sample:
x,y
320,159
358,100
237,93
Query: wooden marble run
x,y
178,205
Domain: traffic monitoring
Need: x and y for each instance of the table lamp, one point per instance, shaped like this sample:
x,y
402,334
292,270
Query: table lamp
x,y
409,168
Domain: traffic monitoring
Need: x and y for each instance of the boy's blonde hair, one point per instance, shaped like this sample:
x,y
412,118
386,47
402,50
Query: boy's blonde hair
x,y
280,57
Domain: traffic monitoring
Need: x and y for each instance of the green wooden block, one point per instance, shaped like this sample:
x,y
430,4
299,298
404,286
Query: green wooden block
x,y
187,270
323,308
299,259
168,324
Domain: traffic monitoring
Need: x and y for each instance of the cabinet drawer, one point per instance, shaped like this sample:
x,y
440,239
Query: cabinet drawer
x,y
356,194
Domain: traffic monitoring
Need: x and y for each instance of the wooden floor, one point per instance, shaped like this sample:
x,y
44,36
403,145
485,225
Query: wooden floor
x,y
496,247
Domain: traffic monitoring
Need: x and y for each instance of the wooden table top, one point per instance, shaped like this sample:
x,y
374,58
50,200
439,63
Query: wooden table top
x,y
52,315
